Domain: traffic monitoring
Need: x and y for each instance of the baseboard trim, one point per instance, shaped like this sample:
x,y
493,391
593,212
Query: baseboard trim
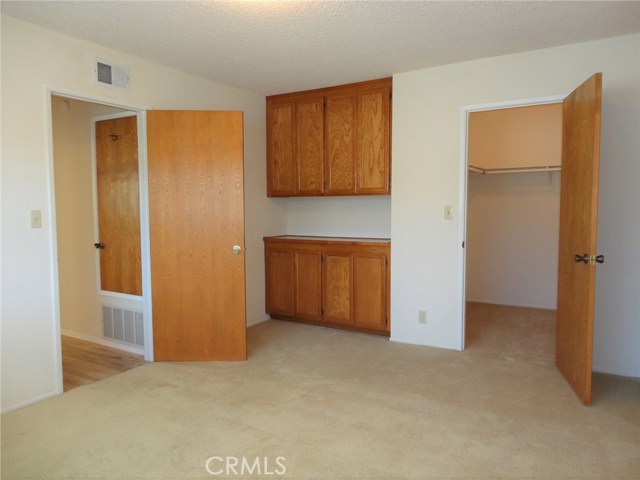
x,y
539,307
616,373
102,341
256,321
27,403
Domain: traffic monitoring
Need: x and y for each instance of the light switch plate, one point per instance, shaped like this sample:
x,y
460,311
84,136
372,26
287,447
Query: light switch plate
x,y
36,219
448,212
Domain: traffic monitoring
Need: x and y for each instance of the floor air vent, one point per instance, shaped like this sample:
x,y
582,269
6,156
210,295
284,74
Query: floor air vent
x,y
123,325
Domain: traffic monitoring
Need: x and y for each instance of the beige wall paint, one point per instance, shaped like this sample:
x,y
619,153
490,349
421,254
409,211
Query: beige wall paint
x,y
512,239
32,59
426,250
516,137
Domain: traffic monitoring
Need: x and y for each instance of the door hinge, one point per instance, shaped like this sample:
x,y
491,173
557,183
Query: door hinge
x,y
324,103
322,311
386,262
389,183
386,320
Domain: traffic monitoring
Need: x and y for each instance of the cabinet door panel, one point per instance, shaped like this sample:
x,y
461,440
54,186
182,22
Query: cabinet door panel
x,y
338,288
310,148
340,117
373,142
308,285
280,282
281,149
370,287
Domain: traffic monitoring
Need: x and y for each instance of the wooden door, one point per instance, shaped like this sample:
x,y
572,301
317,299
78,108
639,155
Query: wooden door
x,y
370,287
372,156
118,205
280,268
309,146
578,220
281,143
340,121
308,287
337,288
196,217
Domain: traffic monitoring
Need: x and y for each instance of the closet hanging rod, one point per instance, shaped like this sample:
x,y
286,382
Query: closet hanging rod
x,y
543,169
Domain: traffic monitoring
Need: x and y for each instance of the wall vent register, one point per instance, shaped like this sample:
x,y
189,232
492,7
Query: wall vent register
x,y
111,75
123,325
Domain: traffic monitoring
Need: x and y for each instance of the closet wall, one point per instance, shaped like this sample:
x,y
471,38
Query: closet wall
x,y
513,218
512,239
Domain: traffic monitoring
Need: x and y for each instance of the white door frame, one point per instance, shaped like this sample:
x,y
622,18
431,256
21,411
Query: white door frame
x,y
462,188
140,112
96,219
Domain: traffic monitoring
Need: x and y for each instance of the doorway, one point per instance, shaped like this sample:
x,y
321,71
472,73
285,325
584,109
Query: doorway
x,y
84,312
513,203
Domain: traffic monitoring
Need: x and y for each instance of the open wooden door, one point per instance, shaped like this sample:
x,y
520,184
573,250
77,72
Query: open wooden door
x,y
196,219
578,221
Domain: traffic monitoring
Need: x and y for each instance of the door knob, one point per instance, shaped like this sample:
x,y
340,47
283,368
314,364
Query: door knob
x,y
582,258
99,245
237,249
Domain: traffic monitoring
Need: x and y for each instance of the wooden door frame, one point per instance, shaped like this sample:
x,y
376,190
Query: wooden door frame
x,y
462,192
96,220
140,112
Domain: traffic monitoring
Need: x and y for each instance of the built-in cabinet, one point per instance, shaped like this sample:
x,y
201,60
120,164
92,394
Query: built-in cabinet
x,y
331,141
339,282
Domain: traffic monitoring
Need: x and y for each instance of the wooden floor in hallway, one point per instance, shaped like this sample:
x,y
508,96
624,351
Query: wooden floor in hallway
x,y
86,362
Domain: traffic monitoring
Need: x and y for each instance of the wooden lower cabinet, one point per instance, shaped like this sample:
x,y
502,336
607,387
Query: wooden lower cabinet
x,y
307,285
342,283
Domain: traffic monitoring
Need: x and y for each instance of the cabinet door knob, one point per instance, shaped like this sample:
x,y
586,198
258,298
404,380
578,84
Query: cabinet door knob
x,y
237,249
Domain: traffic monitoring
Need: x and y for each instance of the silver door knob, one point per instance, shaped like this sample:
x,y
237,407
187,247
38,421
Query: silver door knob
x,y
237,249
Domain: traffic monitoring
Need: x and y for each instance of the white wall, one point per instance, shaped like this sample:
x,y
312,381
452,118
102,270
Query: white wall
x,y
426,249
32,58
365,216
512,239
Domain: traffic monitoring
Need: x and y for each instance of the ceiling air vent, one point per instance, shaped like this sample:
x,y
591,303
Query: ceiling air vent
x,y
109,74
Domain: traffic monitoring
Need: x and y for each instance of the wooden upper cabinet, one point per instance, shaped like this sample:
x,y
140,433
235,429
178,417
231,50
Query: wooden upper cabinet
x,y
309,146
340,123
372,143
281,163
331,141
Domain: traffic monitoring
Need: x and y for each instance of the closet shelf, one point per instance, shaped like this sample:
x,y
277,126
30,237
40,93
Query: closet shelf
x,y
543,168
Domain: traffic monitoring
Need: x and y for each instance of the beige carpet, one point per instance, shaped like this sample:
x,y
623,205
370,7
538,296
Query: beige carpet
x,y
341,405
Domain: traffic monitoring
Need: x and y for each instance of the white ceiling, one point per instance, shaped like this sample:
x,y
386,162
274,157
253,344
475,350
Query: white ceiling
x,y
281,46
